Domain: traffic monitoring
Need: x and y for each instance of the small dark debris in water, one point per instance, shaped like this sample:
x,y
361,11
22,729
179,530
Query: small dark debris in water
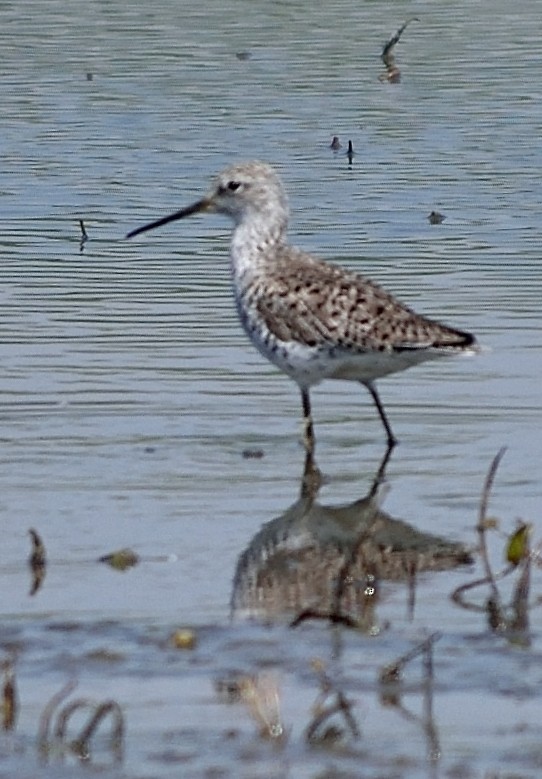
x,y
90,76
253,454
243,56
84,236
435,218
183,638
150,449
120,560
37,556
37,561
350,153
335,144
9,697
392,74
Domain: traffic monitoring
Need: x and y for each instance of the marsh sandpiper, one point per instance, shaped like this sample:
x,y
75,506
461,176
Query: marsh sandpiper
x,y
312,319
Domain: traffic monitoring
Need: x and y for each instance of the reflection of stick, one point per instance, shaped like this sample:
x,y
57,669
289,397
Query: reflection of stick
x,y
390,673
81,744
100,713
9,695
47,714
341,704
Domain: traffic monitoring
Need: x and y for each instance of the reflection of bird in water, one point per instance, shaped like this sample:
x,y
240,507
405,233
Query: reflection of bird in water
x,y
327,561
392,74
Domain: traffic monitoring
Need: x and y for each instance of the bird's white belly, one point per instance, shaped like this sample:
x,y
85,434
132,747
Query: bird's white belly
x,y
311,365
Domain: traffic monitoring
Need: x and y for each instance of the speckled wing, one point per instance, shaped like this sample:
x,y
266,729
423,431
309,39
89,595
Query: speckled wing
x,y
318,304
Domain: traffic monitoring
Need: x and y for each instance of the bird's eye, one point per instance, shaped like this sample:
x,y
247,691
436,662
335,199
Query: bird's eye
x,y
233,186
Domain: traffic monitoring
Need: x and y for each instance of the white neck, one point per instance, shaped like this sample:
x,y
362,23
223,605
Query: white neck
x,y
252,244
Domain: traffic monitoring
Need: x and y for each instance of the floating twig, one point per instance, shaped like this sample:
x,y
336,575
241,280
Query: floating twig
x,y
392,74
37,561
84,236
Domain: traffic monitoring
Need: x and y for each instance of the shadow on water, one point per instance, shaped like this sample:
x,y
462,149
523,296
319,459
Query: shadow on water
x,y
318,561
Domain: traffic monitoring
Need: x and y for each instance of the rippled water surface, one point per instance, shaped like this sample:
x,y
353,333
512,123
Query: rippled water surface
x,y
130,397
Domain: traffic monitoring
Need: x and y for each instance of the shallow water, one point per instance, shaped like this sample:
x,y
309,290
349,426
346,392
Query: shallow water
x,y
129,392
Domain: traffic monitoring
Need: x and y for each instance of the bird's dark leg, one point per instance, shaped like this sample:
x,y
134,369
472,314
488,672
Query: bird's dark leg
x,y
308,432
392,441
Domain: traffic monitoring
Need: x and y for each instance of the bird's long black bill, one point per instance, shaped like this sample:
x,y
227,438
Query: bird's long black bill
x,y
200,205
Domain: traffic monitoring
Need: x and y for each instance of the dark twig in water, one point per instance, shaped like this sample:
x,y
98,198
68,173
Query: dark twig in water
x,y
493,607
482,521
37,556
84,236
37,561
392,72
436,218
350,153
518,555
